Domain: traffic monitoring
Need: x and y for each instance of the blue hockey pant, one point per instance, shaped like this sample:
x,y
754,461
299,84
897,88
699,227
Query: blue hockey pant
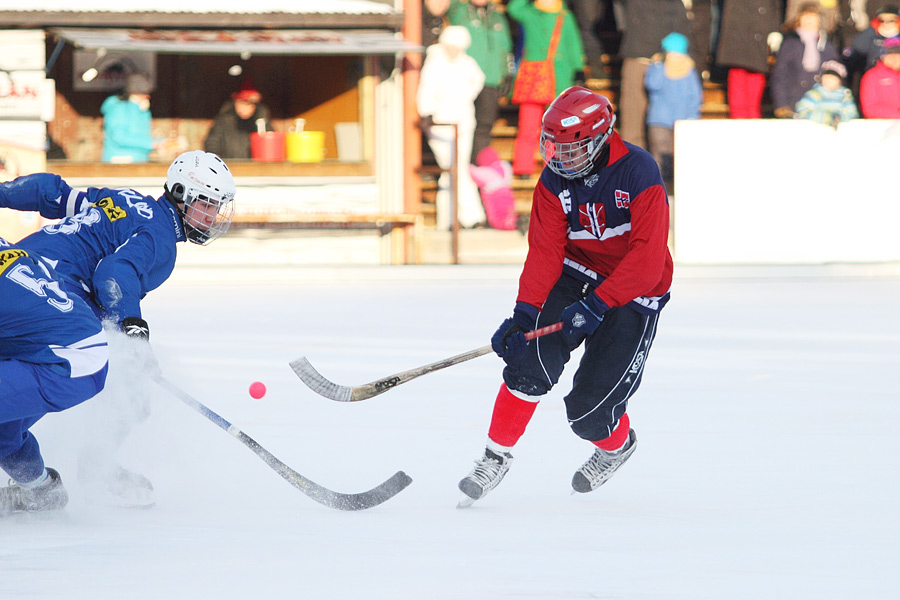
x,y
28,391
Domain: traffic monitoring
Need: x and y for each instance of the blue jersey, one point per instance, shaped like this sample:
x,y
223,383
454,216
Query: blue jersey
x,y
40,323
114,244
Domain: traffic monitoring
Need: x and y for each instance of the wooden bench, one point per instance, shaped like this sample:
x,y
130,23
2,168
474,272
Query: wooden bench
x,y
397,225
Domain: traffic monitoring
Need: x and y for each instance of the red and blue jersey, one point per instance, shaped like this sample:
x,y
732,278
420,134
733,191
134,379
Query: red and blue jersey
x,y
609,229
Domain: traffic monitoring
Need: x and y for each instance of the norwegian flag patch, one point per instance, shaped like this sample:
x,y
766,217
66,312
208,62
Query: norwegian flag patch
x,y
623,199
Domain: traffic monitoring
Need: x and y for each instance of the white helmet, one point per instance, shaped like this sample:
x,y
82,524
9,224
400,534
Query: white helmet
x,y
203,182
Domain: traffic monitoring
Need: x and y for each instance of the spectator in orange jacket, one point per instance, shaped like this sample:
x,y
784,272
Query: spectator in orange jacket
x,y
879,89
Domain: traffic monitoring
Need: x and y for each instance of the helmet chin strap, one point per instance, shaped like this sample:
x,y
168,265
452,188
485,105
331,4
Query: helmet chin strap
x,y
196,236
171,198
192,233
600,161
179,211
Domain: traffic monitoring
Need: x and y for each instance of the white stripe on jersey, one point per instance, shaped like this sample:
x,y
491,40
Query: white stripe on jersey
x,y
609,232
650,302
72,204
85,357
583,269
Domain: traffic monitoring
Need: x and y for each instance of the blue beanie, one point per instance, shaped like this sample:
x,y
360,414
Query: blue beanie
x,y
675,42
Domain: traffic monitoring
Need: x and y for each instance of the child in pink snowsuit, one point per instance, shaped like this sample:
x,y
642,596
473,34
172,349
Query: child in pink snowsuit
x,y
494,180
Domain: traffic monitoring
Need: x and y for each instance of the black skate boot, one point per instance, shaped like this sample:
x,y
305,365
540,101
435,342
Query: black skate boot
x,y
49,495
488,473
601,466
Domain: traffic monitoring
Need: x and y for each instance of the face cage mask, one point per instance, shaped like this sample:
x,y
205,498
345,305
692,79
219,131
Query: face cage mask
x,y
197,205
573,159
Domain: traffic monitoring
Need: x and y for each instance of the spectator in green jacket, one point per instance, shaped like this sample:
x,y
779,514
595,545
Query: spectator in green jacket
x,y
538,20
492,50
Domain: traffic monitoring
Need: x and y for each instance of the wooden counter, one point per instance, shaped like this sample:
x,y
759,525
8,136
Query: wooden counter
x,y
240,168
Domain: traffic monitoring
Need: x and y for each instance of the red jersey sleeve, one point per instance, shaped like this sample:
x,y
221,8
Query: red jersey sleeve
x,y
547,234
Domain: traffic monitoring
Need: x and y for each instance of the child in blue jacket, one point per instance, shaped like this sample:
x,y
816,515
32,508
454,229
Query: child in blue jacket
x,y
673,92
127,123
828,102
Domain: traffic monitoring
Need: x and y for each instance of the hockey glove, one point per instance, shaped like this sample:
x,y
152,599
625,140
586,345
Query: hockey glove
x,y
582,319
137,329
509,340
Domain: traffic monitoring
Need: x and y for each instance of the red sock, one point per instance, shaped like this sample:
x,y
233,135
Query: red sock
x,y
510,418
618,437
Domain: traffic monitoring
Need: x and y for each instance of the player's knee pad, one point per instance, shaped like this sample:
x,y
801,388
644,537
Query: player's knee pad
x,y
525,383
592,428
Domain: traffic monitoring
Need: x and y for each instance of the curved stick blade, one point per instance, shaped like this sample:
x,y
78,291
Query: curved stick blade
x,y
381,493
361,501
343,393
317,383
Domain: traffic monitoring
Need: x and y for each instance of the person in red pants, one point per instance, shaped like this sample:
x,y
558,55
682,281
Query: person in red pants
x,y
749,33
550,31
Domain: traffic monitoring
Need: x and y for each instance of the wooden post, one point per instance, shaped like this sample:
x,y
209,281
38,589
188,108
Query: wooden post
x,y
412,136
454,195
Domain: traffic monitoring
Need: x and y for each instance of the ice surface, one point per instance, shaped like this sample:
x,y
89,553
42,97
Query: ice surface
x,y
767,466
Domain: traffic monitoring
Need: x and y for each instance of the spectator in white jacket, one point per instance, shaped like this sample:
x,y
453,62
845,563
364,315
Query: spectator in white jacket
x,y
448,85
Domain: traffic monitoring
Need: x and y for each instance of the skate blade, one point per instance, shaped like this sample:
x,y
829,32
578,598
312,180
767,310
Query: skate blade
x,y
465,501
135,506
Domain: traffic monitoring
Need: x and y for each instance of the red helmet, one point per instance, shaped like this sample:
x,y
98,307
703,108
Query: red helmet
x,y
575,128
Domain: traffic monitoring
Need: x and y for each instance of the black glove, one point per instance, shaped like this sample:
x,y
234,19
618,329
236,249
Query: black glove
x,y
582,319
426,122
136,327
509,340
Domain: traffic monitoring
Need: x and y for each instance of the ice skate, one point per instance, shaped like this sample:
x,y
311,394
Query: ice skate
x,y
114,485
488,473
601,466
49,495
129,489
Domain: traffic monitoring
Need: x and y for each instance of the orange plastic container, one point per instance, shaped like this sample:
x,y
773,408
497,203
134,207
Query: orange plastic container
x,y
267,147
